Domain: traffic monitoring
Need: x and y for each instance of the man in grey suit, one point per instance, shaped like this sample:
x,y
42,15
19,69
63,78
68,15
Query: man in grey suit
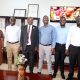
x,y
29,42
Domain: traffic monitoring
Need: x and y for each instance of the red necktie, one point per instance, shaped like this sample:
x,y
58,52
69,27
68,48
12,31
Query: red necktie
x,y
28,29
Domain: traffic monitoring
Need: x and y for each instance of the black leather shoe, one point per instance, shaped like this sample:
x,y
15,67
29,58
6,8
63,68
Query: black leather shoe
x,y
63,76
39,73
54,75
69,78
31,71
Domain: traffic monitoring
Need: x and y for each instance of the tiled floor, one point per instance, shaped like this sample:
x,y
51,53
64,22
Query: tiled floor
x,y
44,71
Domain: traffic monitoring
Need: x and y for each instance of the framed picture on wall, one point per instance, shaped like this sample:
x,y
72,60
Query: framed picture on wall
x,y
70,12
18,22
2,25
33,10
2,22
19,13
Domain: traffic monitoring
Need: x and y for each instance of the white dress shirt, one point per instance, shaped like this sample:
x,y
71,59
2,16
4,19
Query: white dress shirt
x,y
13,33
29,34
73,37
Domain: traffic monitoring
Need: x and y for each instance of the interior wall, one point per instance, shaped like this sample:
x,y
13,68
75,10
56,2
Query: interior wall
x,y
7,6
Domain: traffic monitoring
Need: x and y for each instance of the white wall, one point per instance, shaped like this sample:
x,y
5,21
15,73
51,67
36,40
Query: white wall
x,y
7,6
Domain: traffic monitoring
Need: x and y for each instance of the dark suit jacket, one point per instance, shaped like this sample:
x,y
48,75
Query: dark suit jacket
x,y
34,37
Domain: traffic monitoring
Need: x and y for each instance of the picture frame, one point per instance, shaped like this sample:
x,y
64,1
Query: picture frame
x,y
19,13
2,22
33,10
2,25
69,12
18,22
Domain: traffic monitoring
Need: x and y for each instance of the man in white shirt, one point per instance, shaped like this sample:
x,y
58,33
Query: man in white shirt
x,y
73,48
13,41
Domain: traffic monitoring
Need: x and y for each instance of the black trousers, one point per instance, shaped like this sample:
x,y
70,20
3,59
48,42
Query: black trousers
x,y
59,57
74,56
29,54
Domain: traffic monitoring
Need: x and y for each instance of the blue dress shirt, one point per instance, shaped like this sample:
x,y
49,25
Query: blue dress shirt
x,y
47,35
61,34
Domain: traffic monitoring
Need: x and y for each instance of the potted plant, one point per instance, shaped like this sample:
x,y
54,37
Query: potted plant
x,y
20,61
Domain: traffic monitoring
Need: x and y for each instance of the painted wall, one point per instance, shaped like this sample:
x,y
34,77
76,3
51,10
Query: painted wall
x,y
7,6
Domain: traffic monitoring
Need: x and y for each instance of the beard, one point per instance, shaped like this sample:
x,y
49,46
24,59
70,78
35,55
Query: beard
x,y
62,24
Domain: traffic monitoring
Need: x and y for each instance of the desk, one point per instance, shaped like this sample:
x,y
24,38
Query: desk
x,y
12,75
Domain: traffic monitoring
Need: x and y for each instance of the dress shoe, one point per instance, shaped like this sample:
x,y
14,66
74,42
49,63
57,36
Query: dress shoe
x,y
39,73
54,75
63,76
69,78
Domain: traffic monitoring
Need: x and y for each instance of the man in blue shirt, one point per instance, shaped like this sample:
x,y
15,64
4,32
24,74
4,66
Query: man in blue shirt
x,y
46,44
61,36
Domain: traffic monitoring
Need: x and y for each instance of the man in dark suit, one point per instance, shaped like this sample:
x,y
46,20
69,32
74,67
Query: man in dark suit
x,y
29,42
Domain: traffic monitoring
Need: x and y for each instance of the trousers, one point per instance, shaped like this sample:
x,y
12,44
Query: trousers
x,y
59,57
12,49
45,51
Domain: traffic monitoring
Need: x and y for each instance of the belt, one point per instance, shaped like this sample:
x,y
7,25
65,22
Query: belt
x,y
45,44
13,42
75,46
58,44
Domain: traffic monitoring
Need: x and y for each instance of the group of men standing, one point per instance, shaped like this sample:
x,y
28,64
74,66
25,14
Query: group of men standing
x,y
47,40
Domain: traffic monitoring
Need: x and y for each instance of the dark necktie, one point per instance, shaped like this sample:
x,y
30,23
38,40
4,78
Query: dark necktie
x,y
28,31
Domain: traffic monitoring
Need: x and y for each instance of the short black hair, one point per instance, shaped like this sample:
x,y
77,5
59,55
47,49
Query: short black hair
x,y
62,17
77,17
12,17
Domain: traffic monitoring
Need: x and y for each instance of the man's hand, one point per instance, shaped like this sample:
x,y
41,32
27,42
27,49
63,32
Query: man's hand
x,y
53,50
37,49
20,48
66,52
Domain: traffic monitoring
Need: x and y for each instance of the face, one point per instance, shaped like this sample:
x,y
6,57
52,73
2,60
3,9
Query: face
x,y
45,20
12,21
78,21
30,20
62,21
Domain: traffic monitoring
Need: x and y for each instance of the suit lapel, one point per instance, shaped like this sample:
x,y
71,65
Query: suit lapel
x,y
32,32
25,30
